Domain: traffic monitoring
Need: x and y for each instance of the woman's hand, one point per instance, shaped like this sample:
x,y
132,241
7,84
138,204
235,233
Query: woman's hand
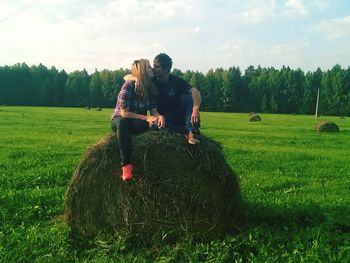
x,y
150,119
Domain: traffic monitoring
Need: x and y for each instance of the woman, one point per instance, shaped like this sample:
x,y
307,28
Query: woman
x,y
130,114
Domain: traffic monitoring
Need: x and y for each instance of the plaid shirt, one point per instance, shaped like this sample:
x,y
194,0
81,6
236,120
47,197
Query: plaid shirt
x,y
127,98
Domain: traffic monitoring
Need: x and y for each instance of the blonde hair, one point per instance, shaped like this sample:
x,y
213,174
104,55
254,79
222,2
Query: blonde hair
x,y
146,87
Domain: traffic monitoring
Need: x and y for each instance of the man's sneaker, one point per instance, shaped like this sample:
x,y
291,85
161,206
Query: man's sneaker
x,y
127,172
192,138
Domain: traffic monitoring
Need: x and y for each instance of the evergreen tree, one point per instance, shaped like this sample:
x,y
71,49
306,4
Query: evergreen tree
x,y
77,89
312,84
210,92
96,94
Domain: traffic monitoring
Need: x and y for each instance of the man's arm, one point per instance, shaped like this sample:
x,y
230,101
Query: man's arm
x,y
129,77
196,97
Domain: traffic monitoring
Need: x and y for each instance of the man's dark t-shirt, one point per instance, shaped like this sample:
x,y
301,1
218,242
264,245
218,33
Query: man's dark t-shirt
x,y
170,93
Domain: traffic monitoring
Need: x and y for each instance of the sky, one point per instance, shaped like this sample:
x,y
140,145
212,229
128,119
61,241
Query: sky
x,y
199,35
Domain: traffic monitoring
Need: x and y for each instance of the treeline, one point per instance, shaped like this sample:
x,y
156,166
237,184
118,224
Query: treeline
x,y
40,86
259,89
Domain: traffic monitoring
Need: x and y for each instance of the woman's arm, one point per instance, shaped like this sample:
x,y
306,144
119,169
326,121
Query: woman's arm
x,y
124,100
128,114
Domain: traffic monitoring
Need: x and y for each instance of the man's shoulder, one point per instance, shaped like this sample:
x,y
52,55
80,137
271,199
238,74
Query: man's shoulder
x,y
174,77
177,79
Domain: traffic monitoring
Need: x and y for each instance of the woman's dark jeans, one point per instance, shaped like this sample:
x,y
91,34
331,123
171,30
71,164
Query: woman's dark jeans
x,y
124,127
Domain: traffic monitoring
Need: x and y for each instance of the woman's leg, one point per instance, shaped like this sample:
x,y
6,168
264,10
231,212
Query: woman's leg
x,y
124,128
121,127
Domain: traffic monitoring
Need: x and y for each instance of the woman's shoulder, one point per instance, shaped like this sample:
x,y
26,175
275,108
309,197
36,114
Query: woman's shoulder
x,y
128,84
127,89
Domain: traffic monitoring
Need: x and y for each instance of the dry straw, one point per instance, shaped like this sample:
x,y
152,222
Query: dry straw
x,y
177,189
254,117
326,126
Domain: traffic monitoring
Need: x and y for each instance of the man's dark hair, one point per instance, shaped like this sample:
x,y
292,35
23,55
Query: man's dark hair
x,y
164,60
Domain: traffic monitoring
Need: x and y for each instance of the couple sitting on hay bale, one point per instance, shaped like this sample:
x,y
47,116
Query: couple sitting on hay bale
x,y
165,95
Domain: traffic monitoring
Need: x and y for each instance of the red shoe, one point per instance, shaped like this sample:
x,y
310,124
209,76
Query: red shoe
x,y
127,172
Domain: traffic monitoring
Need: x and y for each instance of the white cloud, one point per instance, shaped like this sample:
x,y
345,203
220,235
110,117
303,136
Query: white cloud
x,y
255,12
169,9
87,36
255,15
196,29
290,52
295,8
75,34
319,4
337,28
245,53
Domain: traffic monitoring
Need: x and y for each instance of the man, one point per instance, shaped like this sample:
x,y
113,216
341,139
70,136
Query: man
x,y
178,101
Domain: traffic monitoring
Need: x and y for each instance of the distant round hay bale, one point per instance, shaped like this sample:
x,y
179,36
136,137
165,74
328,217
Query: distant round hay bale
x,y
177,189
255,117
98,109
326,126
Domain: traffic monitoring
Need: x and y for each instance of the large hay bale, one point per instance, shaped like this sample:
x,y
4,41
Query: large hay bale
x,y
254,117
327,126
177,189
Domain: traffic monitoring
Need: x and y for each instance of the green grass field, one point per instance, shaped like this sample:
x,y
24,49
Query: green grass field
x,y
295,182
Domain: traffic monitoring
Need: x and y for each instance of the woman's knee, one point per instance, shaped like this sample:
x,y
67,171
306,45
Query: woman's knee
x,y
114,125
120,123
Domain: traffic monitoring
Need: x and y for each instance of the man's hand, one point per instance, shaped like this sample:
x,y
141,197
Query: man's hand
x,y
195,115
196,97
160,122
